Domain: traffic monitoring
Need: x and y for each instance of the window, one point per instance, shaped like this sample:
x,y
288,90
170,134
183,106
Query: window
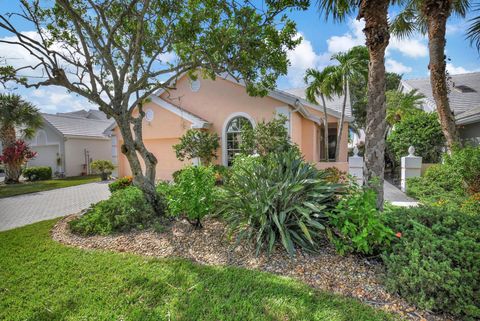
x,y
41,138
233,136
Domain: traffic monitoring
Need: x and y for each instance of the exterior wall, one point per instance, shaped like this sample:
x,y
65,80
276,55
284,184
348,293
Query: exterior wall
x,y
216,102
49,145
470,133
75,153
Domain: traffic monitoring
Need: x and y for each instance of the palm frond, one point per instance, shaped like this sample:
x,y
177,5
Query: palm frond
x,y
473,32
339,10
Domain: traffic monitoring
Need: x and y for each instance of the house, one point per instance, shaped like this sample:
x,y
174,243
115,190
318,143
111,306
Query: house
x,y
464,98
222,106
69,142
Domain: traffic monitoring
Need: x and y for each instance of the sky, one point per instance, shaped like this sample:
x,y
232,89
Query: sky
x,y
321,39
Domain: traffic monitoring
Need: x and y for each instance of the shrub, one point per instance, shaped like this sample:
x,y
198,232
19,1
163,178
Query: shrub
x,y
103,167
126,209
279,199
436,263
120,183
440,185
334,175
267,137
356,225
197,143
422,131
471,205
466,163
192,194
37,173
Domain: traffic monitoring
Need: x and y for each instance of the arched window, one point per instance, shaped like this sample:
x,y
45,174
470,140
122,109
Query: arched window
x,y
233,133
41,138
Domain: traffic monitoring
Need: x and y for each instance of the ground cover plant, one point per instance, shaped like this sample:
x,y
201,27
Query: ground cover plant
x,y
40,280
125,210
120,183
278,198
435,261
39,186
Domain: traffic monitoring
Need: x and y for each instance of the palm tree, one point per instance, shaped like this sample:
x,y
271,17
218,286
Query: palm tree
x,y
16,113
377,36
400,105
352,65
473,32
321,84
430,17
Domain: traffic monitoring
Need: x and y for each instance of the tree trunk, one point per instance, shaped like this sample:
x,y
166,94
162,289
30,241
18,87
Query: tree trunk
x,y
325,125
12,171
437,13
133,147
377,36
342,119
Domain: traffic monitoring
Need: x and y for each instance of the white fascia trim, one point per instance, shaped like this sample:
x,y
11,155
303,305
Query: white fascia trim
x,y
196,122
87,137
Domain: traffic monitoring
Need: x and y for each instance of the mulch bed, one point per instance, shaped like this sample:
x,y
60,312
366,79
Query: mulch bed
x,y
349,275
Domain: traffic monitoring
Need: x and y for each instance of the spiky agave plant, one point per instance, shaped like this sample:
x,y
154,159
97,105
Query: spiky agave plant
x,y
282,199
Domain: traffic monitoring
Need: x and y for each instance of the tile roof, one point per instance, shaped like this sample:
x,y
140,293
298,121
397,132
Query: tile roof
x,y
77,126
335,104
464,92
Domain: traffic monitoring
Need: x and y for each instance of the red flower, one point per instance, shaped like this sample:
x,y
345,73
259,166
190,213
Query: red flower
x,y
399,235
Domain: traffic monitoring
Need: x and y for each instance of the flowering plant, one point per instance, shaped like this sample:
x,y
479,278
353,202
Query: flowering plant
x,y
18,154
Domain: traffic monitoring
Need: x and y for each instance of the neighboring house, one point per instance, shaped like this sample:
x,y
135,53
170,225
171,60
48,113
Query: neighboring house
x,y
464,98
69,142
222,106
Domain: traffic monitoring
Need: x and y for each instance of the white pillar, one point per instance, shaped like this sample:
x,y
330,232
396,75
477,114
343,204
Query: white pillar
x,y
411,167
355,166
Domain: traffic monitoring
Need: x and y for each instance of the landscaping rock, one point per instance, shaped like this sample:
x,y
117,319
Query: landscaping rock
x,y
350,275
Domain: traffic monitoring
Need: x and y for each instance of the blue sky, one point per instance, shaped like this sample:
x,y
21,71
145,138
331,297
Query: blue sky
x,y
320,39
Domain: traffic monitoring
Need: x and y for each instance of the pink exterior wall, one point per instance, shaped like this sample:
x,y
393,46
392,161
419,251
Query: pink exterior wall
x,y
216,102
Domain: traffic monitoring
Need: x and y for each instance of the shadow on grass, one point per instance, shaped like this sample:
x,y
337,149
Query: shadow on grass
x,y
43,280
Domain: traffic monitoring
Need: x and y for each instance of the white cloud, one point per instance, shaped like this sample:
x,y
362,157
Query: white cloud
x,y
397,67
414,48
454,70
302,58
354,37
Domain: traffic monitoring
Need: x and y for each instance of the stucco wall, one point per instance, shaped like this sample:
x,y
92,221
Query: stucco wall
x,y
75,153
216,102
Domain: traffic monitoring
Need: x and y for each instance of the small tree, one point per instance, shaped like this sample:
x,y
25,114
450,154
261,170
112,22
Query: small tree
x,y
197,144
16,114
14,157
266,137
103,167
116,53
422,131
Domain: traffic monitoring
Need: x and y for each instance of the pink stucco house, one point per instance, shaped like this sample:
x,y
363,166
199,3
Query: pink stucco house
x,y
220,106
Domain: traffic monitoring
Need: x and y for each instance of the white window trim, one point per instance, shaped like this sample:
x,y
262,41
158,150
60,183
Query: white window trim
x,y
224,132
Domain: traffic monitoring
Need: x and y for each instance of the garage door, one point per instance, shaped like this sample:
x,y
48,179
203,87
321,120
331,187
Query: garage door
x,y
46,156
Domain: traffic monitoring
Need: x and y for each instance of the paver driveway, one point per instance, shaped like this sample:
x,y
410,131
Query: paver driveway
x,y
30,208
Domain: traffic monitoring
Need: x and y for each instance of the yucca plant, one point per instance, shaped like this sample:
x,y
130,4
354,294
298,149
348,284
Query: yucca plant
x,y
282,199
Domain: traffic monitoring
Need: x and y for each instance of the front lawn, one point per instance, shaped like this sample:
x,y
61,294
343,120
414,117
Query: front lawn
x,y
39,186
43,280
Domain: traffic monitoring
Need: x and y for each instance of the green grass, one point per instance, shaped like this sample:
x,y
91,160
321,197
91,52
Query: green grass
x,y
43,280
39,186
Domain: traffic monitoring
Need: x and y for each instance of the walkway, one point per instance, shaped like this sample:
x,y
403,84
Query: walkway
x,y
30,208
396,196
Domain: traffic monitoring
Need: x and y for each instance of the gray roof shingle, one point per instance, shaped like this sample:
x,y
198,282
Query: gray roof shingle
x,y
78,126
336,103
461,101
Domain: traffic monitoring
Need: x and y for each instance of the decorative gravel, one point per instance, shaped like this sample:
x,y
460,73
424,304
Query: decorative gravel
x,y
349,275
